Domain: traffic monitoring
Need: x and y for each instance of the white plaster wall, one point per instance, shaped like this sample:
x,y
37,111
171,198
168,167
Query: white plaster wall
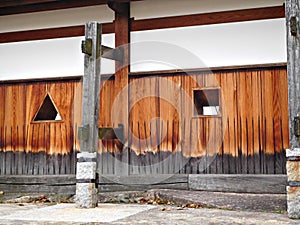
x,y
46,58
246,43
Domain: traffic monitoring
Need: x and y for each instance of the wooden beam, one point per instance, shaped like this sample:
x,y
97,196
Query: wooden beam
x,y
209,18
112,53
41,34
150,24
122,40
122,32
49,33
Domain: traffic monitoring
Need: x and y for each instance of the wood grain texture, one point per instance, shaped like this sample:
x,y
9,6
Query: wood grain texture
x,y
210,18
258,184
293,48
249,137
18,130
121,89
65,184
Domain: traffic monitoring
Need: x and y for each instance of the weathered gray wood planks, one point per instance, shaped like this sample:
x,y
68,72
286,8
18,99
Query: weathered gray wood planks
x,y
272,184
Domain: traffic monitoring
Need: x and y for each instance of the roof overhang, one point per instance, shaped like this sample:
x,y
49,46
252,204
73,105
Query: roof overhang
x,y
10,7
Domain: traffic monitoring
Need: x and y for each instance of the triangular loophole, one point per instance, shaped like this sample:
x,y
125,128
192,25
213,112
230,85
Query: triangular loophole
x,y
47,111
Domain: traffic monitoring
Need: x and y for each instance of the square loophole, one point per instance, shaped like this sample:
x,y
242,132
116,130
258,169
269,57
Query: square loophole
x,y
206,102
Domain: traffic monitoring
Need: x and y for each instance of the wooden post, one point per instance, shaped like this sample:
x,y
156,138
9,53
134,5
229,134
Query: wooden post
x,y
122,40
293,67
120,115
86,191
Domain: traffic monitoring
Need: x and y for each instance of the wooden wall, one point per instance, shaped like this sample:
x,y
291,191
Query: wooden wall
x,y
20,103
45,144
249,137
163,135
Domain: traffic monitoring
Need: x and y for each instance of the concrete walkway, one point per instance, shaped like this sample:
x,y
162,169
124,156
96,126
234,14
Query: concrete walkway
x,y
132,214
159,207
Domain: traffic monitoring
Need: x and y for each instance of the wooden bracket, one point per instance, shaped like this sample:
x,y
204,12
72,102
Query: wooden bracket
x,y
109,133
116,54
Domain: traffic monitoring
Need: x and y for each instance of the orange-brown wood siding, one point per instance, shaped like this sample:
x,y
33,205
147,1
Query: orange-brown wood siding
x,y
254,115
20,103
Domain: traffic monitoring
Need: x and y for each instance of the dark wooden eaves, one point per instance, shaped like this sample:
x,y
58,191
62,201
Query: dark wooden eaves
x,y
150,24
10,7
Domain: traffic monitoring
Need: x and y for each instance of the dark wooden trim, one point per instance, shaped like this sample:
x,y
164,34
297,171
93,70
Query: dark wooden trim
x,y
50,33
150,24
209,69
33,80
209,18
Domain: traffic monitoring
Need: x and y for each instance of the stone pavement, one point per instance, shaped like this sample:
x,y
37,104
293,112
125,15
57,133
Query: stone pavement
x,y
133,214
167,207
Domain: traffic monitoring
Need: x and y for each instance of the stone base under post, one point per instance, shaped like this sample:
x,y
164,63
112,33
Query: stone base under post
x,y
293,188
86,195
86,190
293,202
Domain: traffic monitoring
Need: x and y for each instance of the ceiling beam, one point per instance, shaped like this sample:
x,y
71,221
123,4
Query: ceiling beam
x,y
150,24
210,18
50,33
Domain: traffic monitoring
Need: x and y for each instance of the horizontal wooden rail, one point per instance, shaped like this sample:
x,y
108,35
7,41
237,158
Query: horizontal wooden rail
x,y
65,184
150,24
209,18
